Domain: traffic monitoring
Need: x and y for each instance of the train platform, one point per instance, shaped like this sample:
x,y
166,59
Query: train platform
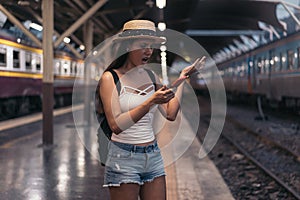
x,y
69,170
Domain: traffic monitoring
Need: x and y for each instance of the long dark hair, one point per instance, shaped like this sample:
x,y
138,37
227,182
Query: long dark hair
x,y
120,61
117,63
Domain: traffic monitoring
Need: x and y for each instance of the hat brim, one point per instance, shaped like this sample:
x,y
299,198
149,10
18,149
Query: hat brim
x,y
155,39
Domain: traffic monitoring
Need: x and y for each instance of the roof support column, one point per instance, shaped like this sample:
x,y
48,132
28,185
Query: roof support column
x,y
47,87
88,30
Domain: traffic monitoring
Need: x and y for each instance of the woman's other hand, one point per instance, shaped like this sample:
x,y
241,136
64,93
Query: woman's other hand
x,y
188,71
193,68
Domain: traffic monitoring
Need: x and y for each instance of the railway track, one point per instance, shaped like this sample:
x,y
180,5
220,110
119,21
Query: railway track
x,y
264,138
255,164
277,173
276,160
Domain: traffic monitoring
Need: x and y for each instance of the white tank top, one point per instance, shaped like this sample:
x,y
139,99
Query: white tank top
x,y
142,130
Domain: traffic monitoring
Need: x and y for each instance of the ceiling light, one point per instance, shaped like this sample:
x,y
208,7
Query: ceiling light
x,y
161,26
24,3
163,48
67,40
36,26
82,47
161,3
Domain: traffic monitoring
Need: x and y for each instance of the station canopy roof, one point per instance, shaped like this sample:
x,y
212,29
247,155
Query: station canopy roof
x,y
179,15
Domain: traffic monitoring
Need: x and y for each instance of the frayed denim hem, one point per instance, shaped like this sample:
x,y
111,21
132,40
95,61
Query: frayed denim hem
x,y
133,182
150,180
122,182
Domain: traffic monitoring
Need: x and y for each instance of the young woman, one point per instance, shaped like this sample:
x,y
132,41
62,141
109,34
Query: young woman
x,y
134,165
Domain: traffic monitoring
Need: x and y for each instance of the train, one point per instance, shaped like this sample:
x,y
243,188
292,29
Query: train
x,y
269,72
21,68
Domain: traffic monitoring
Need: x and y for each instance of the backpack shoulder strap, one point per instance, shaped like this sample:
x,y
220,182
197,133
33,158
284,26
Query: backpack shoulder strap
x,y
152,77
116,80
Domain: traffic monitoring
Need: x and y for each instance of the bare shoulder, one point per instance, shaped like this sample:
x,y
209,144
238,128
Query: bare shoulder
x,y
106,80
106,77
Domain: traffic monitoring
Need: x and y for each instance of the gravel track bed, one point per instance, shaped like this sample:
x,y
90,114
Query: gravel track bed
x,y
246,180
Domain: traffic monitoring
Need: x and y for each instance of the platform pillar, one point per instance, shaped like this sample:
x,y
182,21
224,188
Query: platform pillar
x,y
88,93
47,86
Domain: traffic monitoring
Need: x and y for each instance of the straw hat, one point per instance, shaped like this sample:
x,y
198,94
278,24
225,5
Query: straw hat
x,y
139,29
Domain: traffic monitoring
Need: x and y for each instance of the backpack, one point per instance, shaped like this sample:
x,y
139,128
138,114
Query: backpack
x,y
104,132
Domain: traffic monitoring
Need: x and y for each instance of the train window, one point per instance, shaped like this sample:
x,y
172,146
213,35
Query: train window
x,y
72,69
242,70
259,66
16,59
75,68
291,59
2,57
263,66
284,61
277,61
28,58
66,67
230,72
38,63
271,61
57,67
280,62
267,66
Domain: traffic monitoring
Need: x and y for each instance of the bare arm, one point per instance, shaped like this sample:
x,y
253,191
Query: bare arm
x,y
170,109
119,121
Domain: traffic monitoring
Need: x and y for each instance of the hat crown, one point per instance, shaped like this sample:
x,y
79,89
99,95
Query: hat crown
x,y
139,29
139,24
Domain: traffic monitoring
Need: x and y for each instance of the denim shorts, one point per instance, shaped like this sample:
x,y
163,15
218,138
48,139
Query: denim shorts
x,y
127,163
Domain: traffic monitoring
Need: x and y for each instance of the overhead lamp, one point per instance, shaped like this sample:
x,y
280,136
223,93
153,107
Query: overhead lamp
x,y
36,26
67,40
162,26
24,3
163,48
161,3
82,47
